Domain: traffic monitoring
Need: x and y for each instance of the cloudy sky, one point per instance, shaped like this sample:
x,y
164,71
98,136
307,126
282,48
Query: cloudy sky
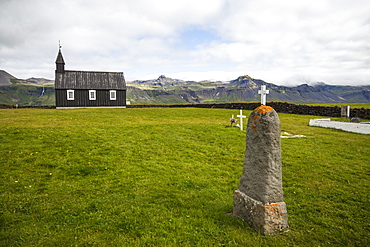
x,y
283,42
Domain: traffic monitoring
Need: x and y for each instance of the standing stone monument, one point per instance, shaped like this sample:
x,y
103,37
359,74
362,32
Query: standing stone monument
x,y
259,197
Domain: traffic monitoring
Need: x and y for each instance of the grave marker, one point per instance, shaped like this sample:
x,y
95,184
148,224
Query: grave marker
x,y
263,93
241,116
344,112
361,128
259,197
232,120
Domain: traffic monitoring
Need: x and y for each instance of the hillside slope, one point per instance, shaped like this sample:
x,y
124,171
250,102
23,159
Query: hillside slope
x,y
164,90
5,78
243,89
27,95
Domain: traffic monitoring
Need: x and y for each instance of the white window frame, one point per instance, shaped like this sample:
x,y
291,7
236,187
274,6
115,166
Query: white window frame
x,y
115,94
92,97
70,94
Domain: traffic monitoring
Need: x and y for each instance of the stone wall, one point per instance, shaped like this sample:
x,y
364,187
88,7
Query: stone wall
x,y
281,107
6,106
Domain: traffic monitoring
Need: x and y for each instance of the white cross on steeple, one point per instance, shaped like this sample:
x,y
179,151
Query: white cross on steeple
x,y
263,93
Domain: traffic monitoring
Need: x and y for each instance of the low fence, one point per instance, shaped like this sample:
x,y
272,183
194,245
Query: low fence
x,y
283,107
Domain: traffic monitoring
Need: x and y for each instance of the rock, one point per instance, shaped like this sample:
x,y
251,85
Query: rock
x,y
355,120
259,198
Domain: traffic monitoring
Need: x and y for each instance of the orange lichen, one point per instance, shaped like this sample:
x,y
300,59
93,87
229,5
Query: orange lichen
x,y
263,109
274,207
255,117
254,127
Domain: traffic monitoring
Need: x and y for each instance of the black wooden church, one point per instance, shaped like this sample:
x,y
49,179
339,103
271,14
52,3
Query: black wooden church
x,y
85,89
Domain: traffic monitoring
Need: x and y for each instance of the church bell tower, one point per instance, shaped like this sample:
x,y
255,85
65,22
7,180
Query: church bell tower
x,y
60,61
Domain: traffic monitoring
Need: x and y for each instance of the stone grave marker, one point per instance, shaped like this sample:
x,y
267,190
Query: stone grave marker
x,y
344,112
361,127
259,197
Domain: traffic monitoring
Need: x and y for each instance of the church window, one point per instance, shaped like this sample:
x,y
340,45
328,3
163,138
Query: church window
x,y
113,94
70,94
92,94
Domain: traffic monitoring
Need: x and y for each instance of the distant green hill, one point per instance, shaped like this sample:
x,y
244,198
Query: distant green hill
x,y
164,90
27,95
33,91
244,89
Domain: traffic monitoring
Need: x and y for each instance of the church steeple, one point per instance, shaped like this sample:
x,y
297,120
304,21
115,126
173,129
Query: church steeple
x,y
60,61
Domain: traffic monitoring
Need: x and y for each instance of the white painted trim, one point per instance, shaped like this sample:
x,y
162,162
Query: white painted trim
x,y
115,94
92,91
73,94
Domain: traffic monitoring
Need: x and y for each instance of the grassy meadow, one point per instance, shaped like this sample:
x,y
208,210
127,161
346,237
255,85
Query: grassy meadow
x,y
166,177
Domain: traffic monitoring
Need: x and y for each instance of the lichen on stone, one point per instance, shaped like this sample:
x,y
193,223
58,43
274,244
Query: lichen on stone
x,y
264,109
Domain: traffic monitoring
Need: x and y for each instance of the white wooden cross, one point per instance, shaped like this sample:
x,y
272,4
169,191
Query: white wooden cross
x,y
241,116
263,93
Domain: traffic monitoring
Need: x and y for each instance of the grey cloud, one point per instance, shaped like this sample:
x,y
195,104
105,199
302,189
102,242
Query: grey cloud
x,y
268,39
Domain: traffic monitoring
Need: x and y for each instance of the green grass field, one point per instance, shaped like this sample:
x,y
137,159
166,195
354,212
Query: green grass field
x,y
166,177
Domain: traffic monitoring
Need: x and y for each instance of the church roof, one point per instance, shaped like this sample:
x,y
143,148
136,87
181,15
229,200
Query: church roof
x,y
60,57
90,80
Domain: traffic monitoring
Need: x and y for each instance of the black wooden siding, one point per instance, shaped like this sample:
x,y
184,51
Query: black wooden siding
x,y
81,98
83,81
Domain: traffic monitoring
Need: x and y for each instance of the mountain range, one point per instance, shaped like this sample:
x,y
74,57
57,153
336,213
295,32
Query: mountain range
x,y
243,89
164,90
